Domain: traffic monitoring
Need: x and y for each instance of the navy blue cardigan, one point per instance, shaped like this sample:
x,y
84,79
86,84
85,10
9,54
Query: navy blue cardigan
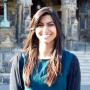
x,y
70,79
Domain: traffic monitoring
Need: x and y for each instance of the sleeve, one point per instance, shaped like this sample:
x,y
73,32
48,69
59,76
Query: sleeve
x,y
15,79
74,77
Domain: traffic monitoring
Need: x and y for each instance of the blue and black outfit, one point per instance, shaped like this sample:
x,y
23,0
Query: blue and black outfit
x,y
69,79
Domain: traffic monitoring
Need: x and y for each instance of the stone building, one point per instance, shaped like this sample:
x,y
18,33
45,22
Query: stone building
x,y
75,17
17,14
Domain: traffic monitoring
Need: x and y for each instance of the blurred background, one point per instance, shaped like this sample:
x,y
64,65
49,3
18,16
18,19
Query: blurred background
x,y
15,16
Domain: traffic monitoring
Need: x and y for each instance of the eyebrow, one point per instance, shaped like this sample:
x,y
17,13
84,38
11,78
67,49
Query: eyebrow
x,y
47,23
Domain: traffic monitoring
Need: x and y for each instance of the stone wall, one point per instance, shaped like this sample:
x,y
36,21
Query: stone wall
x,y
5,65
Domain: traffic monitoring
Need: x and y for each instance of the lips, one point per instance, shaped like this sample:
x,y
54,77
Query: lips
x,y
46,35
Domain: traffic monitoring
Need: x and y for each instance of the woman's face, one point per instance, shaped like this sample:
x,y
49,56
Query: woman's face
x,y
46,30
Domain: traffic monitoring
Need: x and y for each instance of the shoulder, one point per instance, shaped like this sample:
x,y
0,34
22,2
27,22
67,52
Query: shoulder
x,y
17,58
14,60
68,54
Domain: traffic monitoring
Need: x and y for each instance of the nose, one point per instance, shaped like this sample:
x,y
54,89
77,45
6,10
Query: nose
x,y
45,29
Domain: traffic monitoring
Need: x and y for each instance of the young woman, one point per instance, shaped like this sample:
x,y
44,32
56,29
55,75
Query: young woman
x,y
44,64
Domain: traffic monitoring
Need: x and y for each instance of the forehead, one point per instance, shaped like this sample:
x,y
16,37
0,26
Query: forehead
x,y
45,18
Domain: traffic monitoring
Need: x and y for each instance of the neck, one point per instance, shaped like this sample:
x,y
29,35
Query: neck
x,y
45,50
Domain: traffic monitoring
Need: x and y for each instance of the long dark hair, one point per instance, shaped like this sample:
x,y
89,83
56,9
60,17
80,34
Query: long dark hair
x,y
32,47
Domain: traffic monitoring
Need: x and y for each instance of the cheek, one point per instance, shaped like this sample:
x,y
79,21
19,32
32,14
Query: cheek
x,y
38,30
55,35
37,33
55,32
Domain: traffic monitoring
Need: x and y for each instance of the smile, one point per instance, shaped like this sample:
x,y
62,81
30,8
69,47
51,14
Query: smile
x,y
46,35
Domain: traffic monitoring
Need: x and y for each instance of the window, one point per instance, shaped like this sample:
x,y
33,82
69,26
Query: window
x,y
1,10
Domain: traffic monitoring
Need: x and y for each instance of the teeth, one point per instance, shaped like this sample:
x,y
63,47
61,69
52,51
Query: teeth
x,y
45,36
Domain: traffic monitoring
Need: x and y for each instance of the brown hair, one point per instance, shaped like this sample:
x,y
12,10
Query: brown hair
x,y
32,45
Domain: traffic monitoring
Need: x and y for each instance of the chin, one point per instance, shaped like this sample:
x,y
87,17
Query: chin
x,y
47,42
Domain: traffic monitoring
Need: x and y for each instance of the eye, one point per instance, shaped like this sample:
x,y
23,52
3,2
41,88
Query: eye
x,y
39,25
51,24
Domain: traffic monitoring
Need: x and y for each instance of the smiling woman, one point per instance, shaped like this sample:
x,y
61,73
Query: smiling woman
x,y
44,64
46,30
